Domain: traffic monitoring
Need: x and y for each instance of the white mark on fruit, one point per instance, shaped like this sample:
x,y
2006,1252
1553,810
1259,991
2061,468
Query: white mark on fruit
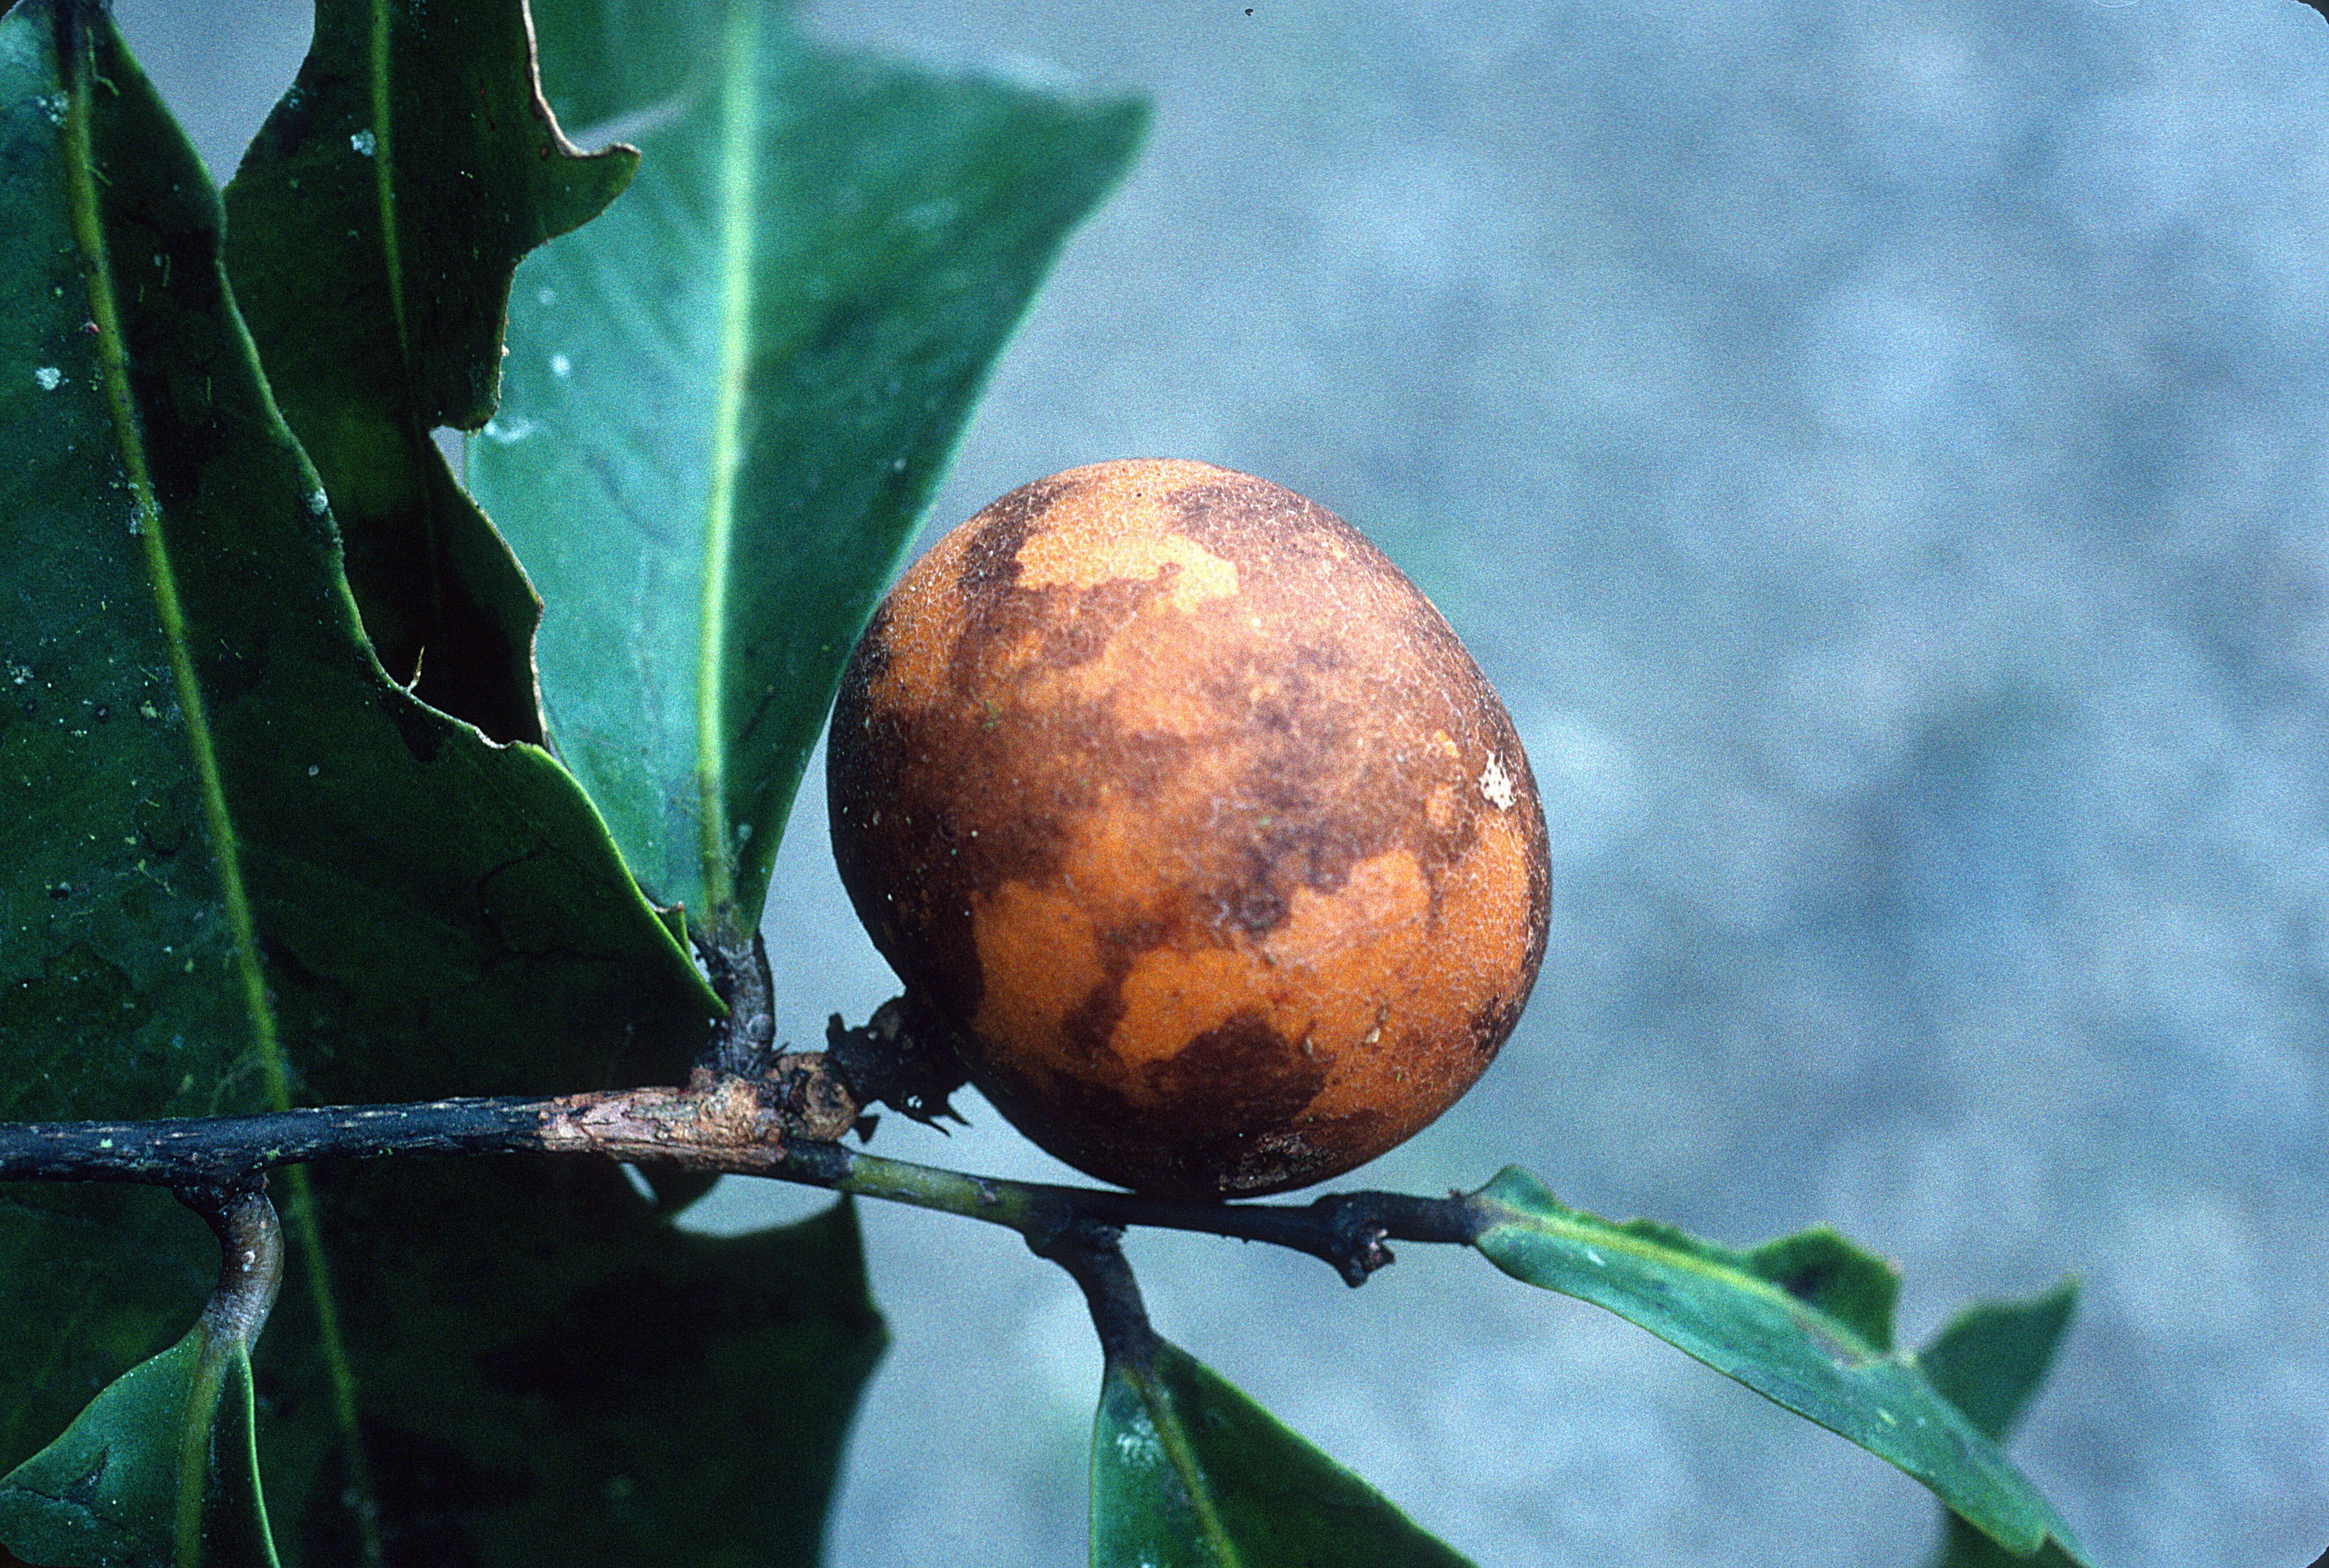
x,y
1496,785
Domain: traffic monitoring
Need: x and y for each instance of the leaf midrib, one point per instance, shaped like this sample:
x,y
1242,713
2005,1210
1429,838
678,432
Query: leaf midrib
x,y
383,175
1594,1238
739,180
77,64
113,372
1570,1226
77,61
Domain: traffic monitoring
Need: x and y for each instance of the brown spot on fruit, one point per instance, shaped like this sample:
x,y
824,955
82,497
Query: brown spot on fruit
x,y
1188,806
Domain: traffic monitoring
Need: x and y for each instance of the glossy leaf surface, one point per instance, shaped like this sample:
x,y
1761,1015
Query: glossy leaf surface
x,y
550,1374
1989,1362
247,864
1804,1321
728,398
1187,1472
202,735
119,978
160,1472
373,229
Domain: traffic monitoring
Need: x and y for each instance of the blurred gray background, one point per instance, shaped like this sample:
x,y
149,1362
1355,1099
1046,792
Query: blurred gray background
x,y
1881,453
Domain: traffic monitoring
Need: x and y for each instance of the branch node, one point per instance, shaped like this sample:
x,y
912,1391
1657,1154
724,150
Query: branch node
x,y
1092,1252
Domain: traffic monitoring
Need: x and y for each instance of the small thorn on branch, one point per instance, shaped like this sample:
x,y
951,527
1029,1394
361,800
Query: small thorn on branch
x,y
1354,1226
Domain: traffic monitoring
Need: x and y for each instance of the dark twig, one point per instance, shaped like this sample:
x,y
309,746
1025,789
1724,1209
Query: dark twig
x,y
218,1152
1346,1230
1093,1255
786,1121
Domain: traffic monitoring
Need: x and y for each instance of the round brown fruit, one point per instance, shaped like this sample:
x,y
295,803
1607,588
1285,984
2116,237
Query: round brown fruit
x,y
1191,812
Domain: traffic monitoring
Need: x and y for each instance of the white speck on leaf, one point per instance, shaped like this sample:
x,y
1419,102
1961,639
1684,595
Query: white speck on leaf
x,y
545,297
1496,784
931,216
49,377
364,142
317,502
510,431
561,366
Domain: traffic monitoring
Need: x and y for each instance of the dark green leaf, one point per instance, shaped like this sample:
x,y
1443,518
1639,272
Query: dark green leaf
x,y
201,746
1991,1357
1796,1321
550,1374
373,229
161,1470
245,862
1187,1472
1989,1362
158,1472
119,978
1963,1546
727,400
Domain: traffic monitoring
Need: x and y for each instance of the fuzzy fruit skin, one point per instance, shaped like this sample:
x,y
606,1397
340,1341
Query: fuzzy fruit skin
x,y
1173,792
